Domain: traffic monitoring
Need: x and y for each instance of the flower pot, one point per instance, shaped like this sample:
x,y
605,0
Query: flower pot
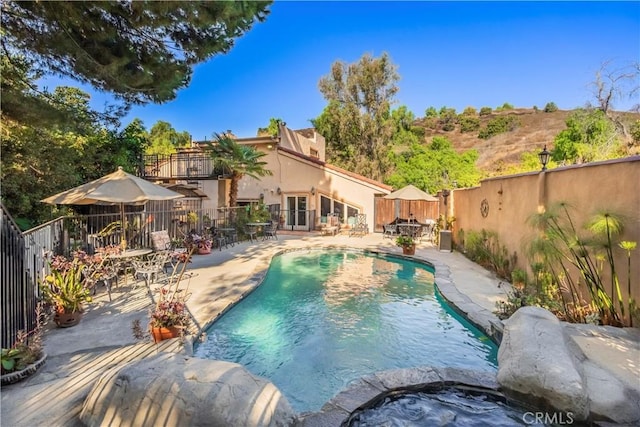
x,y
409,250
66,320
14,377
161,334
204,251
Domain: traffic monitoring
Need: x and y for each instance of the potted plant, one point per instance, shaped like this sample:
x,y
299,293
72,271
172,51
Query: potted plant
x,y
407,244
26,354
169,318
66,288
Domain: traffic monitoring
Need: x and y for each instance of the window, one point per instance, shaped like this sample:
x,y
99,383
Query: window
x,y
314,153
331,206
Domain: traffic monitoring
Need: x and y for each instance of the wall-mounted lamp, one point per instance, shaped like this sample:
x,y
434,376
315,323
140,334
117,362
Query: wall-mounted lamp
x,y
544,157
270,146
445,195
279,191
313,191
261,196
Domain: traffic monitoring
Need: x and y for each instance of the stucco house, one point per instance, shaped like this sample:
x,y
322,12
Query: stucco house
x,y
304,189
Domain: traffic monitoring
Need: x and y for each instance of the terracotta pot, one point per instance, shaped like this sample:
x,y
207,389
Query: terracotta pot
x,y
161,334
409,250
66,320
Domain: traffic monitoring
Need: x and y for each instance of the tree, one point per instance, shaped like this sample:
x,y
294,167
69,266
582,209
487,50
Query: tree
x,y
434,167
141,51
589,136
238,160
165,140
550,107
613,83
356,123
272,129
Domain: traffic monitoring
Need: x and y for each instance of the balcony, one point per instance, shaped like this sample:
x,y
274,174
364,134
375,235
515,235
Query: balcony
x,y
184,165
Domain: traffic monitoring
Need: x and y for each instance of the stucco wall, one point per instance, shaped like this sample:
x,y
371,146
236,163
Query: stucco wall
x,y
295,177
613,186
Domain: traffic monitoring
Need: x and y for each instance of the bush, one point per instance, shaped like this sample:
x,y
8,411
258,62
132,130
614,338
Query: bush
x,y
468,123
499,125
485,111
550,107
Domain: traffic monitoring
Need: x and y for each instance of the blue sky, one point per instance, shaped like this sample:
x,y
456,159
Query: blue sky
x,y
454,54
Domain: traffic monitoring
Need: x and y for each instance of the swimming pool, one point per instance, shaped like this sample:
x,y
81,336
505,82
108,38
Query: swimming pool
x,y
322,319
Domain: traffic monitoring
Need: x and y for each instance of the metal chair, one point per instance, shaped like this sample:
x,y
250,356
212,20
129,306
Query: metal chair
x,y
360,228
252,232
389,230
271,231
151,268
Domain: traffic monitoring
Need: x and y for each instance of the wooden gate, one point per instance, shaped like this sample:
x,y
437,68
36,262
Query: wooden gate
x,y
387,210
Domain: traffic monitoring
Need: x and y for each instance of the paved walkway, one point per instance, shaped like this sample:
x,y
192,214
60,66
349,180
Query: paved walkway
x,y
78,356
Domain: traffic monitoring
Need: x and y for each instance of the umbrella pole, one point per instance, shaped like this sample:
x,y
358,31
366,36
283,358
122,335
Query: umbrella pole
x,y
123,218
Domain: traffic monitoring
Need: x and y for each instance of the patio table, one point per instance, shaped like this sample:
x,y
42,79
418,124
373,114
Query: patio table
x,y
259,225
123,259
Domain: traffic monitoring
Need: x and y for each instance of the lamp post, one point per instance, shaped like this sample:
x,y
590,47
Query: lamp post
x,y
544,157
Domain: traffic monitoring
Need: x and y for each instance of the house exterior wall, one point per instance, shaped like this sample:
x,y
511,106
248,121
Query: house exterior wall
x,y
296,176
298,143
588,188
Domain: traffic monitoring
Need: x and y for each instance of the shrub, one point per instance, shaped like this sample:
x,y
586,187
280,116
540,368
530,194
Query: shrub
x,y
485,111
550,107
468,123
499,125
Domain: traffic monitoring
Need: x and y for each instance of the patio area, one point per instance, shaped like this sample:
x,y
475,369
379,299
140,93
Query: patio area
x,y
78,356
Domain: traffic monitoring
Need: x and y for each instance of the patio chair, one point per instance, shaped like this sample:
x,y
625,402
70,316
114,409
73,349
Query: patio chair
x,y
271,231
252,232
360,228
389,230
151,268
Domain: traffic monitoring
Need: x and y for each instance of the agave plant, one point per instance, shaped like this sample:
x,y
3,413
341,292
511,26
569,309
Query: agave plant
x,y
65,287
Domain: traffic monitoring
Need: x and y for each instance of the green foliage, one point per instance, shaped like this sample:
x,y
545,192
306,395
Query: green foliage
x,y
635,132
27,348
272,129
468,123
505,107
65,289
165,140
434,167
402,118
140,51
238,160
485,111
484,248
550,107
589,136
356,123
431,112
448,119
498,125
561,249
404,241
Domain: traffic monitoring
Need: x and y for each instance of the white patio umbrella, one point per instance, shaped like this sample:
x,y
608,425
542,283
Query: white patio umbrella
x,y
118,187
410,192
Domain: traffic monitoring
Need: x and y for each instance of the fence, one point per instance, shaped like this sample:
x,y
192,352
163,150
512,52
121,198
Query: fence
x,y
18,290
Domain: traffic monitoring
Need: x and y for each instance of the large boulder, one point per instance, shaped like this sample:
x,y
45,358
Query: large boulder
x,y
176,390
535,364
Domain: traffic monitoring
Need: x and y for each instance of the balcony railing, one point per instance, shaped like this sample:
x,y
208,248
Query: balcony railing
x,y
181,166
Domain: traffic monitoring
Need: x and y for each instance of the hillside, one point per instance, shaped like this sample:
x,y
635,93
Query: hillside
x,y
536,129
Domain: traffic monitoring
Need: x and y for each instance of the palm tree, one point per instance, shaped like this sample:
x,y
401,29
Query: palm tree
x,y
239,160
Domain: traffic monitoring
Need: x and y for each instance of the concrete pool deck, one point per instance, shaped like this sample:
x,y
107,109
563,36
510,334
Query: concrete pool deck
x,y
78,356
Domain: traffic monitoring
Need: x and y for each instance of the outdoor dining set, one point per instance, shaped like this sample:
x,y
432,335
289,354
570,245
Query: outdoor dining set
x,y
410,227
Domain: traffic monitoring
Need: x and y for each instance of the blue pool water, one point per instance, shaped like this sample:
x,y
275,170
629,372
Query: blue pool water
x,y
323,319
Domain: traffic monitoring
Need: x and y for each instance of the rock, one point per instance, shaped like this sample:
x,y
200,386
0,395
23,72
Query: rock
x,y
534,363
177,390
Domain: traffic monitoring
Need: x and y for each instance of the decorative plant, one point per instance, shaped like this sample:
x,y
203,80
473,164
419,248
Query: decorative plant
x,y
405,241
171,309
66,288
27,348
560,249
